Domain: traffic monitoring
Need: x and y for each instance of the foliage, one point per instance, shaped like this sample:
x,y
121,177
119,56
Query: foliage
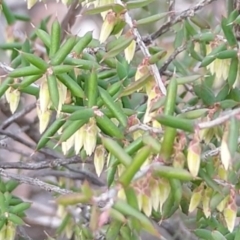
x,y
175,152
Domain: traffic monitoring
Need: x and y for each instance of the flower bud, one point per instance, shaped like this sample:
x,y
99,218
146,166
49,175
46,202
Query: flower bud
x,y
224,151
130,51
44,96
230,213
79,139
13,98
67,145
155,195
62,89
219,67
222,204
107,26
90,139
165,189
206,201
44,118
194,157
196,198
147,204
99,159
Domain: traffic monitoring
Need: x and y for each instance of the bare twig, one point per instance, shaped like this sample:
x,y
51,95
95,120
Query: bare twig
x,y
88,175
223,118
185,14
8,69
40,165
171,7
172,57
144,127
211,153
144,50
17,115
70,175
15,137
21,232
34,182
70,17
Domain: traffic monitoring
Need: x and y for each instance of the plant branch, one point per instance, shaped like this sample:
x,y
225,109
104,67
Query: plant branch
x,y
17,115
144,50
40,165
172,57
183,15
144,127
70,17
28,144
70,175
34,182
87,175
225,116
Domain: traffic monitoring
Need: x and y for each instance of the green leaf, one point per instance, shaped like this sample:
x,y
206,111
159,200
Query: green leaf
x,y
205,93
126,209
172,173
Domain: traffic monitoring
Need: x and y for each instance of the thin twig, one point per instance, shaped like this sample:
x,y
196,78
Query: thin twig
x,y
210,153
171,7
172,57
21,232
88,175
225,116
40,165
34,182
7,69
70,175
144,50
15,150
213,152
144,127
185,14
17,115
28,144
70,17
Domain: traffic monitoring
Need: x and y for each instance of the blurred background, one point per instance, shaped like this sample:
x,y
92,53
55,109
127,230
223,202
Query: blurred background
x,y
43,215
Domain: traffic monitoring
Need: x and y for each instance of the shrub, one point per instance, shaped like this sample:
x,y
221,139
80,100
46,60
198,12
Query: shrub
x,y
163,128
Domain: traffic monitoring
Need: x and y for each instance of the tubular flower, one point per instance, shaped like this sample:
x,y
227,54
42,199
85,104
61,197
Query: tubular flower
x,y
196,198
194,157
107,26
44,118
90,139
62,89
13,98
230,211
130,51
219,67
67,145
79,138
99,159
44,96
